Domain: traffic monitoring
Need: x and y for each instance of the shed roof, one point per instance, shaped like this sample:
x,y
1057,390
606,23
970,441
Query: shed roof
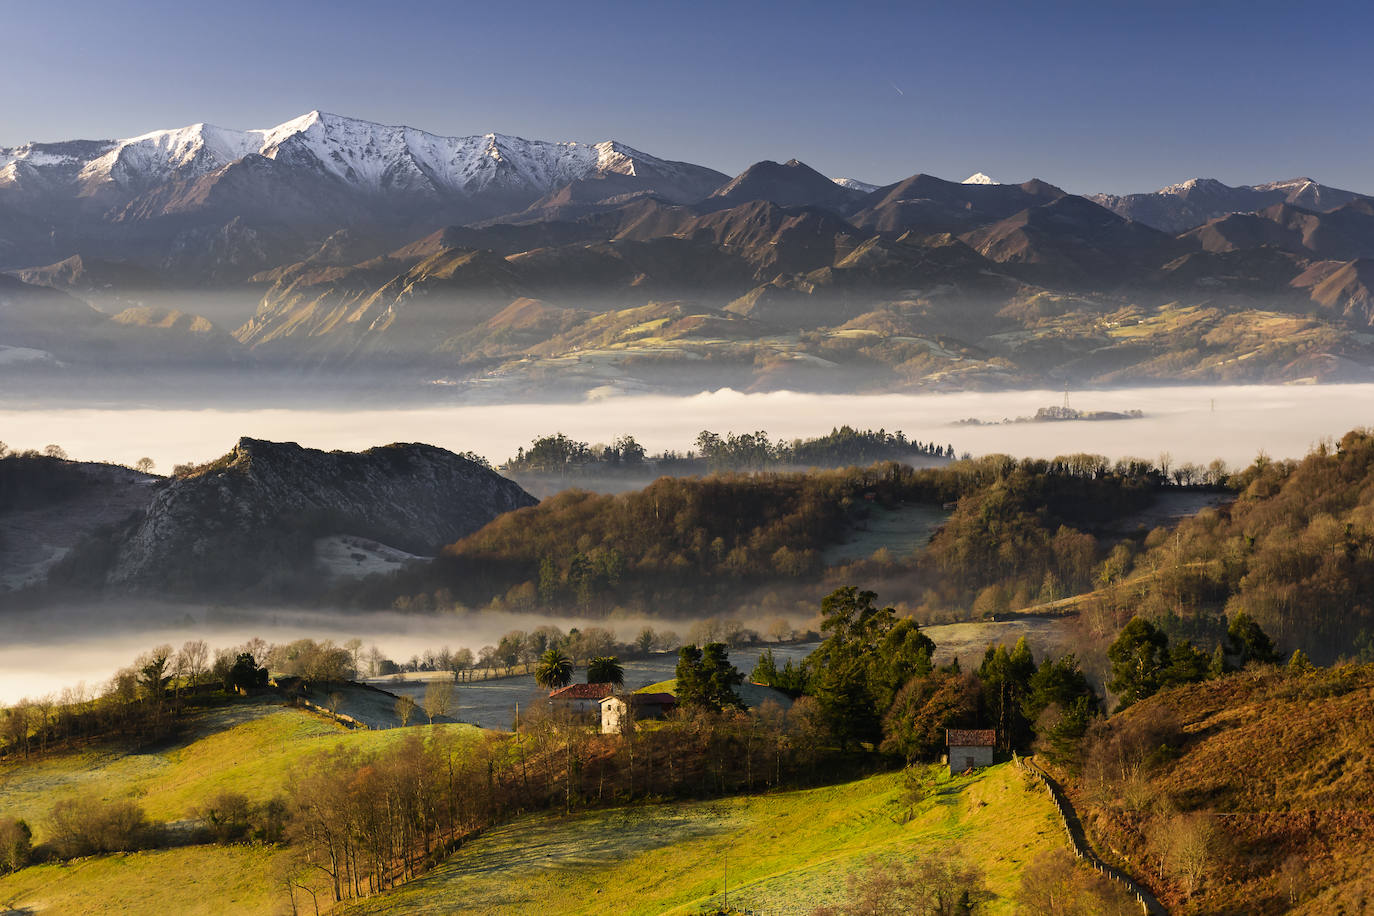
x,y
971,737
583,692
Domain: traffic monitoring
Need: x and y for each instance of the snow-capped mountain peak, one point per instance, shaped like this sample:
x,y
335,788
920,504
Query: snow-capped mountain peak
x,y
1194,184
855,184
368,156
980,178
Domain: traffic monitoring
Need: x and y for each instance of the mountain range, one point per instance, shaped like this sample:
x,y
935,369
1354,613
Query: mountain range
x,y
328,244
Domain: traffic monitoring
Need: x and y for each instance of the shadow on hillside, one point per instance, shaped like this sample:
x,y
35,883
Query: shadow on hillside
x,y
590,840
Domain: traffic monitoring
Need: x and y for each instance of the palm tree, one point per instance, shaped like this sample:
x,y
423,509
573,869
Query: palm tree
x,y
605,669
554,670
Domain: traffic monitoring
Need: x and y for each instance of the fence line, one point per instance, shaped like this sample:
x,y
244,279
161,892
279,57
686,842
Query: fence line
x,y
1078,840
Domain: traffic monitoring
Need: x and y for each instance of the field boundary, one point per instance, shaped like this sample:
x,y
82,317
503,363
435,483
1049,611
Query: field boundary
x,y
1078,840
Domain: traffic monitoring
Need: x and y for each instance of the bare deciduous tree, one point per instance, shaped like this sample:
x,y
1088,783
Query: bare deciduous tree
x,y
193,660
438,699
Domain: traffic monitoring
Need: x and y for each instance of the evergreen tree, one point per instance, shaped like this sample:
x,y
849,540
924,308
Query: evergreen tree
x,y
1187,665
1246,640
1006,678
706,679
1138,658
1219,666
865,659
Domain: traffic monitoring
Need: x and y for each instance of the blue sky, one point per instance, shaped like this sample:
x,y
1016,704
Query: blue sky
x,y
1090,96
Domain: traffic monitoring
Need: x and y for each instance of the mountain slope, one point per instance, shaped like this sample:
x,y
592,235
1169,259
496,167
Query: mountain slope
x,y
926,204
169,191
247,522
1071,239
1191,203
1274,767
788,184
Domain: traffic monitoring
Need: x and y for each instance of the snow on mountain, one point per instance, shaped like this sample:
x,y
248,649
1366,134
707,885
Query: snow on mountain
x,y
1195,184
855,184
980,178
372,157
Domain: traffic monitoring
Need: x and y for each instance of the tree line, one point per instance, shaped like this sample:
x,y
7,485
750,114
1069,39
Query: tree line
x,y
843,446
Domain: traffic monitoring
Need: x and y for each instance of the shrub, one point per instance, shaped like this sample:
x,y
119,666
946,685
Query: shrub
x,y
15,844
85,825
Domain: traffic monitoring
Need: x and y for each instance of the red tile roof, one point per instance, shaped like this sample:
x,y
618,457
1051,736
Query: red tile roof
x,y
971,737
583,692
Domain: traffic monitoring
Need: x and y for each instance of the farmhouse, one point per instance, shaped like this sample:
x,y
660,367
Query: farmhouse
x,y
616,715
580,698
969,748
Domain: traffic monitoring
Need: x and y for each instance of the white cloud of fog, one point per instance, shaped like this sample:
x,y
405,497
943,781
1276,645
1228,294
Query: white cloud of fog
x,y
43,653
1191,423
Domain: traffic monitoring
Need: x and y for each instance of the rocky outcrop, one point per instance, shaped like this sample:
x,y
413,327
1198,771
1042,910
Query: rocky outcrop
x,y
246,523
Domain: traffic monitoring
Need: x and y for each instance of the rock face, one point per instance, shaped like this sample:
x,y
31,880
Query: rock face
x,y
246,523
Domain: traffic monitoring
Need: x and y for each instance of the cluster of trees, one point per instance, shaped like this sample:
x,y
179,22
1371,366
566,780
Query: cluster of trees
x,y
706,679
48,451
1144,660
558,454
1026,535
843,446
141,702
1295,552
144,702
873,683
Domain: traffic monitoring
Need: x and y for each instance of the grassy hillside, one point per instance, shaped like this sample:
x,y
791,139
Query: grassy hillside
x,y
1274,769
251,747
190,881
786,852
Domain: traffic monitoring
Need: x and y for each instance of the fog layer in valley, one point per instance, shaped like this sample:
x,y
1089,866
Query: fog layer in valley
x,y
1191,423
44,651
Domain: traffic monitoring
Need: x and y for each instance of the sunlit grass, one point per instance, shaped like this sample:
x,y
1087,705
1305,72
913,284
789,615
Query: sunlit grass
x,y
249,748
191,881
786,852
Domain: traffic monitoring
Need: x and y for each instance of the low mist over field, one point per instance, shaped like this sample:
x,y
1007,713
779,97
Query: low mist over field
x,y
1191,423
48,650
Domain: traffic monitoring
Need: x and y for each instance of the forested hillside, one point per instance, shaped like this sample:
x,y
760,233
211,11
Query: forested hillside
x,y
1295,551
1019,526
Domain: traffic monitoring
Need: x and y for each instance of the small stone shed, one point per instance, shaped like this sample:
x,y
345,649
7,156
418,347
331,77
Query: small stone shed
x,y
970,748
616,718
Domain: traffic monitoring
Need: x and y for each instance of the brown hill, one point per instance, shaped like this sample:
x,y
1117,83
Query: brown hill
x,y
1345,287
1255,792
926,204
1073,241
788,184
1341,234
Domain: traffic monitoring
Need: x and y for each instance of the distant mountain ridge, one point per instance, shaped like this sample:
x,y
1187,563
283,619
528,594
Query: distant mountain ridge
x,y
1191,203
333,246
